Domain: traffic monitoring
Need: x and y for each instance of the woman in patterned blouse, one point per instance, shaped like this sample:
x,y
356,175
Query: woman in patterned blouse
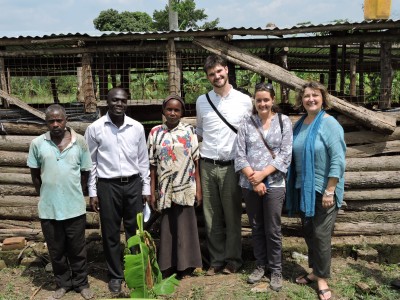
x,y
264,151
173,155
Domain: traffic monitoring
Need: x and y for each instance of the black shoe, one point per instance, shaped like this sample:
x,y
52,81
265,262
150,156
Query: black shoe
x,y
114,285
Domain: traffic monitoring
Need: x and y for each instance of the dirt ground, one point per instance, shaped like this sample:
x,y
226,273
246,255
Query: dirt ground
x,y
35,283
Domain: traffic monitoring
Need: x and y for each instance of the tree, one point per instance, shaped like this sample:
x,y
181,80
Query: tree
x,y
188,16
112,20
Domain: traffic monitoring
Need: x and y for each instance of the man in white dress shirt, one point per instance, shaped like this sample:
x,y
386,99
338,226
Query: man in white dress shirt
x,y
118,148
222,197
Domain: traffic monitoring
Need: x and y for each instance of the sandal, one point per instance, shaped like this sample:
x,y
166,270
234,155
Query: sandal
x,y
306,279
323,292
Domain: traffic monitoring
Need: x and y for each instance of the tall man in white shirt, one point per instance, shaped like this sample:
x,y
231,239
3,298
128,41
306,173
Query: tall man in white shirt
x,y
118,148
222,197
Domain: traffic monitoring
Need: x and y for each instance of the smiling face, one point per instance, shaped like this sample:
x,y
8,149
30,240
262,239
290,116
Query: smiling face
x,y
173,113
263,102
117,101
312,101
218,76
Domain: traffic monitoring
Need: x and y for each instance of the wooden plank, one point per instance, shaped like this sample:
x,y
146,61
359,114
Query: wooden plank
x,y
368,118
380,163
23,105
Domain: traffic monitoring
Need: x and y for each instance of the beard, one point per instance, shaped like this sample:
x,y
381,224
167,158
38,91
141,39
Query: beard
x,y
220,82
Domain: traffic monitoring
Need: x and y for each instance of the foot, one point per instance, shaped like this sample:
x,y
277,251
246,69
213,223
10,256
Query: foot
x,y
306,279
256,275
87,293
213,270
59,293
230,269
324,293
114,285
276,281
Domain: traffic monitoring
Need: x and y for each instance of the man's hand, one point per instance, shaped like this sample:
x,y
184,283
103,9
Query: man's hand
x,y
94,203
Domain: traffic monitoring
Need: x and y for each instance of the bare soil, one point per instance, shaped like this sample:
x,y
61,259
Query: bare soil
x,y
35,283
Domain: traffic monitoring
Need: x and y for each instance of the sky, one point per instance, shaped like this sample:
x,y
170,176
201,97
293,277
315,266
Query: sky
x,y
39,17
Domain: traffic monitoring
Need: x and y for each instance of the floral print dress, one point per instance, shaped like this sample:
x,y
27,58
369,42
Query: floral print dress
x,y
173,152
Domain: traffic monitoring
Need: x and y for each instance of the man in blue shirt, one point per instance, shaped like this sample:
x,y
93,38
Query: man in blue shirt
x,y
60,163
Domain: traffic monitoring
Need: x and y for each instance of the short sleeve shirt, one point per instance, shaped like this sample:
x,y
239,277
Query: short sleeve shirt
x,y
61,194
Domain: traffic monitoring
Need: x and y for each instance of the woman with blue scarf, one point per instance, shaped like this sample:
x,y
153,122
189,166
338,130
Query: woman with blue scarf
x,y
316,180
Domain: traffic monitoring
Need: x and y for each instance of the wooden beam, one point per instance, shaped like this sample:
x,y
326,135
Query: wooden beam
x,y
251,62
386,76
23,105
3,82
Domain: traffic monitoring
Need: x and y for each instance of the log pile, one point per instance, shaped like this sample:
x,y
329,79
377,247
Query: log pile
x,y
372,188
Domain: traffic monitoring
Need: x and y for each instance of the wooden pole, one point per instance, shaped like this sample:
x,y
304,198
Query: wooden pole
x,y
368,118
333,62
87,84
386,76
353,77
23,105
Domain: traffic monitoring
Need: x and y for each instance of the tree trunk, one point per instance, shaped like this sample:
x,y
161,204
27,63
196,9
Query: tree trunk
x,y
38,129
381,163
372,194
37,235
251,62
13,159
16,189
373,149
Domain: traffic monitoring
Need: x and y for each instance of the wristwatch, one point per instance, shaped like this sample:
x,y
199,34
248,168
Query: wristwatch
x,y
328,194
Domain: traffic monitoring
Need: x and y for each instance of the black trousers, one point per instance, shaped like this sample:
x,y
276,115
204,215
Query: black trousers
x,y
67,248
119,201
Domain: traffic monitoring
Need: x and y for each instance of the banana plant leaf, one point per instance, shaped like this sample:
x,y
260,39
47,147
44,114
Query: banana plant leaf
x,y
142,273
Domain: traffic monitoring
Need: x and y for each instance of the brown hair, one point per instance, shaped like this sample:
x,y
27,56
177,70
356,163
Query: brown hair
x,y
214,60
267,87
314,85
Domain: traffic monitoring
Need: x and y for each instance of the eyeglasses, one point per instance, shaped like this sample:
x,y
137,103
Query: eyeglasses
x,y
263,85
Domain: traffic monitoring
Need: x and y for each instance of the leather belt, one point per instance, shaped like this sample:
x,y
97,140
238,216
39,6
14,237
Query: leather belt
x,y
218,162
120,179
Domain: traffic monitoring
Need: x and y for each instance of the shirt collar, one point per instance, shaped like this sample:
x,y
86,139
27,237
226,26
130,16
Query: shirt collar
x,y
47,135
227,95
179,126
127,120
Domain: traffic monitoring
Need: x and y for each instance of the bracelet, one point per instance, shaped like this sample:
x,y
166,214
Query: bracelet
x,y
328,194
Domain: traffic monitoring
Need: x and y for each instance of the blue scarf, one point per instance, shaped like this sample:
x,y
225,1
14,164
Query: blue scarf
x,y
307,200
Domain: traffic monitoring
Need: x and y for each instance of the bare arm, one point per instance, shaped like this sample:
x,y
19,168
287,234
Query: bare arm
x,y
37,181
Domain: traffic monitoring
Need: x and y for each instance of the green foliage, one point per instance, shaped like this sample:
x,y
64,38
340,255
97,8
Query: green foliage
x,y
112,20
188,16
142,273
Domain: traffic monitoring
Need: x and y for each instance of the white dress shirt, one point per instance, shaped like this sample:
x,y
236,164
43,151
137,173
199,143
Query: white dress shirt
x,y
218,139
117,152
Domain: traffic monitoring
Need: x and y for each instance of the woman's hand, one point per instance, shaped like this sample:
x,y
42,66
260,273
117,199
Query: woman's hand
x,y
256,177
260,189
328,201
199,197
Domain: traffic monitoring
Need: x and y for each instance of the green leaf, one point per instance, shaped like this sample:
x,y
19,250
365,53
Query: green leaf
x,y
166,286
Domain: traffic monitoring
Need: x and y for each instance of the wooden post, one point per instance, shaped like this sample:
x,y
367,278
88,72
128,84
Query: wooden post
x,y
284,89
386,76
361,72
333,62
353,76
243,58
54,90
87,84
174,73
343,69
79,93
3,82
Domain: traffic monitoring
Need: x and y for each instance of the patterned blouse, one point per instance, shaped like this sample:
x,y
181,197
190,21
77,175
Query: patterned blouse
x,y
173,152
251,150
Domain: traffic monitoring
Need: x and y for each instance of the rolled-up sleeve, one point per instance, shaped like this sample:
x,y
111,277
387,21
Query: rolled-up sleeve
x,y
336,150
